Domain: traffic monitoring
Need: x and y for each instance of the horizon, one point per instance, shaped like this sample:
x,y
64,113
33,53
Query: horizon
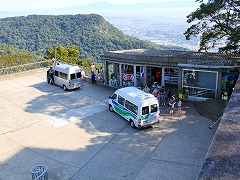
x,y
174,10
7,6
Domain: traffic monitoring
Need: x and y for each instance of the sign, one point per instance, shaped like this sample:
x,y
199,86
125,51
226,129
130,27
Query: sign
x,y
127,77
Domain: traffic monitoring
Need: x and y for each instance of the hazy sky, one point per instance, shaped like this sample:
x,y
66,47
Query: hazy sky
x,y
18,5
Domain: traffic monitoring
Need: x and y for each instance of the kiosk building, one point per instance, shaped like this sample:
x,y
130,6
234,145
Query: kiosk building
x,y
208,75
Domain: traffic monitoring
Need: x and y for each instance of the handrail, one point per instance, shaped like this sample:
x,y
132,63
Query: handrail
x,y
25,67
35,65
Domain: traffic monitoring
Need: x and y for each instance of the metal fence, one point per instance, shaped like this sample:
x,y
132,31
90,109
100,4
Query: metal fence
x,y
25,67
35,65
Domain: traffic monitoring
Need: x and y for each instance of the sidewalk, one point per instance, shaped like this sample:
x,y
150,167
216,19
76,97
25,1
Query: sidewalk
x,y
76,136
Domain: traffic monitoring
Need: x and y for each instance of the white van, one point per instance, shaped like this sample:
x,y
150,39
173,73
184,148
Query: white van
x,y
139,108
67,76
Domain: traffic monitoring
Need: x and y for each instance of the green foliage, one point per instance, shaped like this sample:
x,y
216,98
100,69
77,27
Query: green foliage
x,y
7,49
217,24
8,60
70,55
90,33
10,56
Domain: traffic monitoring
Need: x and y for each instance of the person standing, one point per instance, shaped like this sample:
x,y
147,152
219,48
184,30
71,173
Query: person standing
x,y
93,78
163,96
155,91
171,105
169,95
159,97
92,68
147,89
179,106
100,74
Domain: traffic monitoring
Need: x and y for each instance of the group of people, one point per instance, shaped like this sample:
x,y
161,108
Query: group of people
x,y
165,98
172,102
93,75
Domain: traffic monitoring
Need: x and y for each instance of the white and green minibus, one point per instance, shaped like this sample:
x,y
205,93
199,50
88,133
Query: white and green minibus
x,y
141,109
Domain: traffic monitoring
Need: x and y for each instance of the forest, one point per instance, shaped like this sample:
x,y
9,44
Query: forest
x,y
92,34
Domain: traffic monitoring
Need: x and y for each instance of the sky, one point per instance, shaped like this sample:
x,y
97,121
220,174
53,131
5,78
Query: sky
x,y
18,5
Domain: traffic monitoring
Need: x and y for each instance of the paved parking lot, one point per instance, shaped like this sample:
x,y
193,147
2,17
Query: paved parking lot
x,y
75,135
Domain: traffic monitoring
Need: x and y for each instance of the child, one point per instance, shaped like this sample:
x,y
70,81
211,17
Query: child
x,y
179,106
171,105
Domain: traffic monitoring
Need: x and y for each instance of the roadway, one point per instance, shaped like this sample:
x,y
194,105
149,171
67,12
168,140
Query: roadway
x,y
75,135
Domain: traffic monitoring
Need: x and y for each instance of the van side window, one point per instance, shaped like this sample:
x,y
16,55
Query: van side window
x,y
56,73
72,76
132,107
63,75
79,75
121,100
114,96
154,108
145,110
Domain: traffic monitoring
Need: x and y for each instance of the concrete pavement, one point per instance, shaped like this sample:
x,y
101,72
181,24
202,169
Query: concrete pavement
x,y
76,136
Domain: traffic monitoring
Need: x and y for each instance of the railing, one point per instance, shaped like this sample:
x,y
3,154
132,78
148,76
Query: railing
x,y
35,65
25,67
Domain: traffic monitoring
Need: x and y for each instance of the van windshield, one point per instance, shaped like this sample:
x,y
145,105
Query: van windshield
x,y
145,110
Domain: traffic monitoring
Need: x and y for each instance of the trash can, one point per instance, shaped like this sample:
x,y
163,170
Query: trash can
x,y
39,172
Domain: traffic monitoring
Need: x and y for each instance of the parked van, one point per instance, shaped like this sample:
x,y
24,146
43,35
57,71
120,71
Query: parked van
x,y
141,109
67,76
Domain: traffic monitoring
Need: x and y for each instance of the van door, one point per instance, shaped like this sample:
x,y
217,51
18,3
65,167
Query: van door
x,y
149,114
154,110
56,77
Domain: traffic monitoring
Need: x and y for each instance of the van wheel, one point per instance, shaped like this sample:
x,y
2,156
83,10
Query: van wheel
x,y
111,108
132,124
64,88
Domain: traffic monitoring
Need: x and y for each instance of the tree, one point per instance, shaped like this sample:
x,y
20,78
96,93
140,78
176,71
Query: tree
x,y
73,51
218,24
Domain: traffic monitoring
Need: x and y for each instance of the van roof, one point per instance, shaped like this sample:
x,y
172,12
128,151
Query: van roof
x,y
135,93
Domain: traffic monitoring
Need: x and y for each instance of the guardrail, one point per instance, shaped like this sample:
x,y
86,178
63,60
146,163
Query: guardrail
x,y
25,67
35,65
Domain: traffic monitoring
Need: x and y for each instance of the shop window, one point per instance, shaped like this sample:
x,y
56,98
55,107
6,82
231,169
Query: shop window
x,y
200,79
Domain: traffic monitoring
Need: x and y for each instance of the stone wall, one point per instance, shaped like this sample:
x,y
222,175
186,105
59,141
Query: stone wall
x,y
223,157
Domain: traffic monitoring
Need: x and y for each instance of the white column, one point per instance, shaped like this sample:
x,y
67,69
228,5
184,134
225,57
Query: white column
x,y
135,75
120,74
163,76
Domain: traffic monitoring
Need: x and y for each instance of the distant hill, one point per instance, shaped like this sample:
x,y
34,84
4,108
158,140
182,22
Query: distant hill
x,y
91,33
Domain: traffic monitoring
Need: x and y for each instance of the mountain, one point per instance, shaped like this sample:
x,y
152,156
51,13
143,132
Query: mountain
x,y
91,33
